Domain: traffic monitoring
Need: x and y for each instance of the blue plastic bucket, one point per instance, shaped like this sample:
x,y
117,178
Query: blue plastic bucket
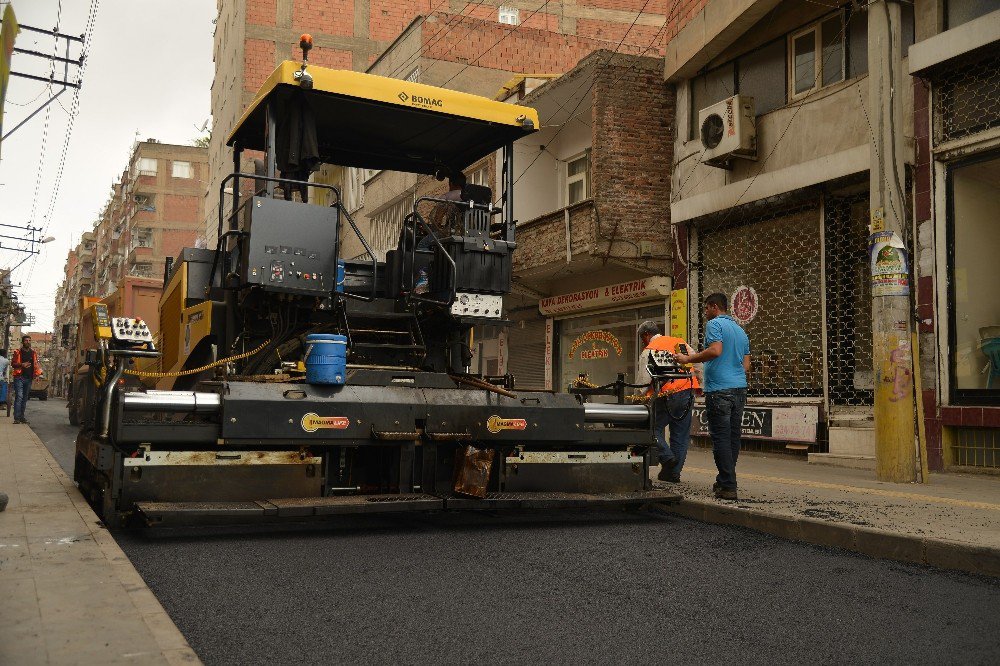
x,y
339,287
326,358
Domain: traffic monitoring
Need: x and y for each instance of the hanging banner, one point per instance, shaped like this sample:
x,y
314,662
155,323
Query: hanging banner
x,y
678,313
889,269
598,297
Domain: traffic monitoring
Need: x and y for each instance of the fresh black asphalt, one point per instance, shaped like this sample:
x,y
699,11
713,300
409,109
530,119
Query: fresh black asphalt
x,y
591,588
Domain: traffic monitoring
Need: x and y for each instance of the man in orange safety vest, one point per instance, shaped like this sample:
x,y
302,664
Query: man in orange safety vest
x,y
25,365
671,407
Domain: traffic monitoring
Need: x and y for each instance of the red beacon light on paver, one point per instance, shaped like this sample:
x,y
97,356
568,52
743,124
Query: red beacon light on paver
x,y
301,75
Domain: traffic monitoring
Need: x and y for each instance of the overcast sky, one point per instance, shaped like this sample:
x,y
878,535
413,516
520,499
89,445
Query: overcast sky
x,y
148,76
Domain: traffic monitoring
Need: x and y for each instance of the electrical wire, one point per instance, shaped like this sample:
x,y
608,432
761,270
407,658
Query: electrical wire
x,y
71,121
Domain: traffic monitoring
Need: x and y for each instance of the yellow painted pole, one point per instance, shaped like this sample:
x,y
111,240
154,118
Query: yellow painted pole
x,y
892,318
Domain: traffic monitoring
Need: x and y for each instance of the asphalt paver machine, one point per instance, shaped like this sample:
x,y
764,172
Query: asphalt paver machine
x,y
293,383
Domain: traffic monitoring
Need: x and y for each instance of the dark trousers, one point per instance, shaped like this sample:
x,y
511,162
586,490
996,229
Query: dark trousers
x,y
724,410
22,387
673,411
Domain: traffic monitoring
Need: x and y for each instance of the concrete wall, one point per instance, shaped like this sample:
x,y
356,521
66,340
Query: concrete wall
x,y
541,174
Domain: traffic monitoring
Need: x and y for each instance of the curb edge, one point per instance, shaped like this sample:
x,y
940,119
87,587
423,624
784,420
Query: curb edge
x,y
881,544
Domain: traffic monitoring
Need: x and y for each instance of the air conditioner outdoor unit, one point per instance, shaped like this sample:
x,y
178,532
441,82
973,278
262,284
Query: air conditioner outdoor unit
x,y
728,130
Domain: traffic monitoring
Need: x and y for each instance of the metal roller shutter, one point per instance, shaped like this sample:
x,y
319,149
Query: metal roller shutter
x,y
526,354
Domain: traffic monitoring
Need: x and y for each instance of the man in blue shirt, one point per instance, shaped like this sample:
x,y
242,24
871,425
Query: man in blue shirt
x,y
727,362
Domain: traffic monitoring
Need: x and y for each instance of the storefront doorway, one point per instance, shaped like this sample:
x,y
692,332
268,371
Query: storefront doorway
x,y
602,345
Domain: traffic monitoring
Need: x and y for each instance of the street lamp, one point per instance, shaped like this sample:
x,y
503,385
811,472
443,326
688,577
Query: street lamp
x,y
47,239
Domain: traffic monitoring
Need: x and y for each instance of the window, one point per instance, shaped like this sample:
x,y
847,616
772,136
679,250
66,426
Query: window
x,y
414,76
857,44
479,177
146,166
386,224
761,74
509,15
143,238
145,202
354,188
816,56
577,179
973,194
182,170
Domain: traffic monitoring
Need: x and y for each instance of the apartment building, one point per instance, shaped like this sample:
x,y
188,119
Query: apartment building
x,y
592,200
152,212
77,283
161,206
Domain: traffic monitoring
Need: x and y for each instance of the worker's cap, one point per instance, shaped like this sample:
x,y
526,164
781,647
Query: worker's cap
x,y
648,327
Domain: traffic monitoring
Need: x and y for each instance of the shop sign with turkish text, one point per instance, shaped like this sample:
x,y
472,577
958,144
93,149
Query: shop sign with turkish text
x,y
610,295
785,423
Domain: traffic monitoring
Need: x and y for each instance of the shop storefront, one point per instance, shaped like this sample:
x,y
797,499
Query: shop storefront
x,y
962,195
794,272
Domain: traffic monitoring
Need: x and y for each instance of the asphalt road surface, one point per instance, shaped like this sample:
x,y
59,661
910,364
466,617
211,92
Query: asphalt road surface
x,y
592,588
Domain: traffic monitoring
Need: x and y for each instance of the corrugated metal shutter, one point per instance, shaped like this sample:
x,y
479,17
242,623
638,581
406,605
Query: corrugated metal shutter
x,y
526,354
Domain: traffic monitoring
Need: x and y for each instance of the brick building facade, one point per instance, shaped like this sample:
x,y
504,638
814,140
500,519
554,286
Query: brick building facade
x,y
253,36
592,200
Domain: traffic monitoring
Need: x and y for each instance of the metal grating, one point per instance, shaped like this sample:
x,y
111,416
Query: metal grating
x,y
848,300
967,97
775,251
976,447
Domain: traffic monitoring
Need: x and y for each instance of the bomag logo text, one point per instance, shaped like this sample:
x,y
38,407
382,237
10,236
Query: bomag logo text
x,y
420,100
496,424
313,422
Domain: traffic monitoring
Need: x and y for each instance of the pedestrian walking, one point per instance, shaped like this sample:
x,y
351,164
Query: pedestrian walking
x,y
26,367
4,377
727,363
671,407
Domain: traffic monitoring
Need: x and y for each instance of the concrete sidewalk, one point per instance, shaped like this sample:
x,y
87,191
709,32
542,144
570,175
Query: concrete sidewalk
x,y
952,522
68,594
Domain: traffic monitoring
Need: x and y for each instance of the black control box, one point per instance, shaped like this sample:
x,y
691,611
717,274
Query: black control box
x,y
292,247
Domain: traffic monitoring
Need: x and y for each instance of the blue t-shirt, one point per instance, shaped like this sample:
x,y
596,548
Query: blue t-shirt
x,y
726,371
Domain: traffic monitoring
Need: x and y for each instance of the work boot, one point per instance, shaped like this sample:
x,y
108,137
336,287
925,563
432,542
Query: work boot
x,y
666,470
726,493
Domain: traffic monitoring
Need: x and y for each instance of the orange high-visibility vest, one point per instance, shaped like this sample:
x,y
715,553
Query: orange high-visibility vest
x,y
15,360
668,343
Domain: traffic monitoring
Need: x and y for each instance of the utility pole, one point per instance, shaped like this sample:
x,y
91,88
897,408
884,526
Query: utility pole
x,y
898,450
